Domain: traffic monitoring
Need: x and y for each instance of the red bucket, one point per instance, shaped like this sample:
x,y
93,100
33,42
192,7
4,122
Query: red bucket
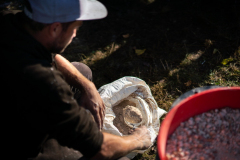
x,y
198,103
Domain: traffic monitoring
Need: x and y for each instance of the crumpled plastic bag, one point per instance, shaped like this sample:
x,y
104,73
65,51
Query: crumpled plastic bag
x,y
138,92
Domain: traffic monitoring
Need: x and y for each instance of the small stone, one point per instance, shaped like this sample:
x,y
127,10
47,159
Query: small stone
x,y
179,137
196,136
182,124
181,154
190,121
208,114
200,145
186,153
197,119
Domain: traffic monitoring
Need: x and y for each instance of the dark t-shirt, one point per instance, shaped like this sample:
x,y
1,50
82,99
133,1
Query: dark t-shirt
x,y
37,103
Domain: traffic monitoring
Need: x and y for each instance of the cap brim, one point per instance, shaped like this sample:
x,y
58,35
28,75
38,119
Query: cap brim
x,y
92,9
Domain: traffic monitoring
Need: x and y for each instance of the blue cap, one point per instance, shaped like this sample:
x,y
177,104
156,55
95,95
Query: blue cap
x,y
50,11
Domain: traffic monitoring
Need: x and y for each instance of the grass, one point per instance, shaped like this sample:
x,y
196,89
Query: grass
x,y
174,46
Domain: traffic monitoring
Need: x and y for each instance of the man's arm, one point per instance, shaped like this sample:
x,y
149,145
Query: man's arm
x,y
92,99
114,147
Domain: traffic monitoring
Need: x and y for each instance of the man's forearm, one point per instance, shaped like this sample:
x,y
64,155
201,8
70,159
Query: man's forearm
x,y
114,146
71,74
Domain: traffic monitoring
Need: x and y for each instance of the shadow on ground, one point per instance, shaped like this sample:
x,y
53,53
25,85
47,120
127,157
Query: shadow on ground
x,y
168,31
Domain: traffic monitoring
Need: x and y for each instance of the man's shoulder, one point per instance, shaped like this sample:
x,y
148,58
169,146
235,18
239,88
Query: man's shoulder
x,y
41,72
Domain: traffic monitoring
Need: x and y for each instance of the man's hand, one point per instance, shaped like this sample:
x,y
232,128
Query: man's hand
x,y
92,101
142,134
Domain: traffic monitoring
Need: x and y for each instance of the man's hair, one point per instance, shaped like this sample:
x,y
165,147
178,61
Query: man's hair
x,y
37,26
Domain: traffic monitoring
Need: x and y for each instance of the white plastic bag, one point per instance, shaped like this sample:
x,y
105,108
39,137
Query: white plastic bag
x,y
138,92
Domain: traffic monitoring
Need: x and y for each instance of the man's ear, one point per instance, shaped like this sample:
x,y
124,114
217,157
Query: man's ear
x,y
55,29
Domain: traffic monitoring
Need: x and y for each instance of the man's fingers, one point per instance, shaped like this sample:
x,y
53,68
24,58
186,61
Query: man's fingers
x,y
98,112
101,114
98,120
102,118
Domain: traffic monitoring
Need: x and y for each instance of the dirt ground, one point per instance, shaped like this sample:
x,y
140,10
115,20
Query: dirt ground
x,y
151,40
166,30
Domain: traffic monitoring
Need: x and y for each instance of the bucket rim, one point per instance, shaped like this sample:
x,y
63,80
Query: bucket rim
x,y
165,126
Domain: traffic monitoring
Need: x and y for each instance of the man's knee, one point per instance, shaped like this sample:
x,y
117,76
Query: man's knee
x,y
83,69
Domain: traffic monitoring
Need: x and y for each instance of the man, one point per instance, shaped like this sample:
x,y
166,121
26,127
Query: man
x,y
42,119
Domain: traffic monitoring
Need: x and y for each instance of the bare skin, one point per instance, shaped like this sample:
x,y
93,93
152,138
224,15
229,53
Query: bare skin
x,y
114,146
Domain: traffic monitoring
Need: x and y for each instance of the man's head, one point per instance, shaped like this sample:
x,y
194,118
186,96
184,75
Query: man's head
x,y
58,20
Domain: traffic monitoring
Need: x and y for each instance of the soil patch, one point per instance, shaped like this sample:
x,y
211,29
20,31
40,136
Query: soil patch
x,y
119,112
132,114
